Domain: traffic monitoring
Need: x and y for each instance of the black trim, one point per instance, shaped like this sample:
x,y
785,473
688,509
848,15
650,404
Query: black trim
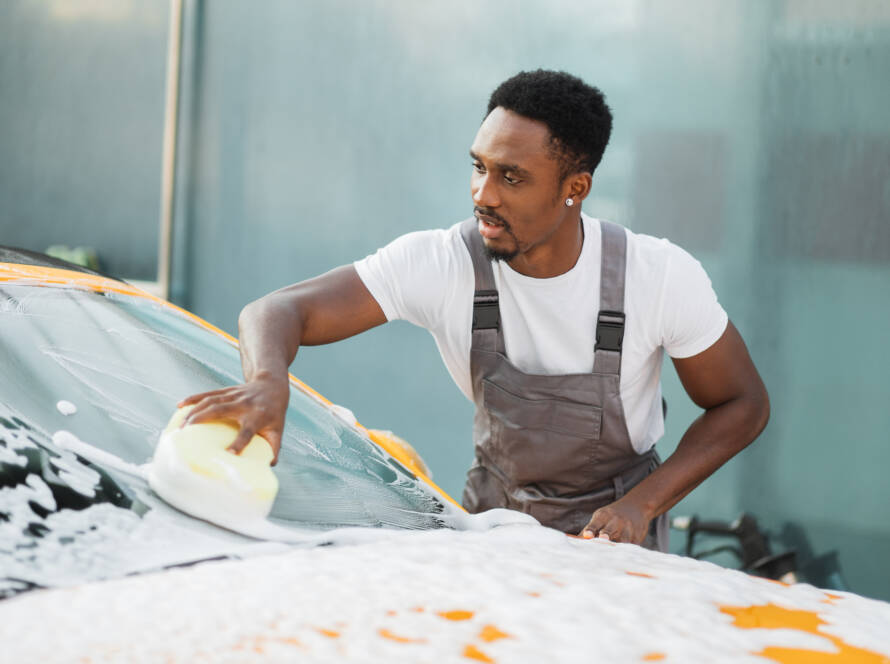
x,y
486,313
609,331
18,256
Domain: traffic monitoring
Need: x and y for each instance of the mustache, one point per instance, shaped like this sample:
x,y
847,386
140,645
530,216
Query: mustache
x,y
491,214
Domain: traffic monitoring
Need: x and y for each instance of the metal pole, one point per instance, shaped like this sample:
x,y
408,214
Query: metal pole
x,y
168,163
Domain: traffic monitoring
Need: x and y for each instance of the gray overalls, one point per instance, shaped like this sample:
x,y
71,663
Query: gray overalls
x,y
555,447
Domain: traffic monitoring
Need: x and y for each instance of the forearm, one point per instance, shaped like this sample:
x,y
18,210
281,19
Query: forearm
x,y
716,436
333,306
724,382
269,331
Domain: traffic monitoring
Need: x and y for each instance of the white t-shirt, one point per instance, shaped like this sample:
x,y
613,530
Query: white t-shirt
x,y
549,325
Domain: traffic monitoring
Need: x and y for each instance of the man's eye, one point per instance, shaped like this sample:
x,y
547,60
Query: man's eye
x,y
478,167
510,180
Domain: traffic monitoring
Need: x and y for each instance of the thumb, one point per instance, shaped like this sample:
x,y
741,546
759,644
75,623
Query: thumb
x,y
597,521
241,440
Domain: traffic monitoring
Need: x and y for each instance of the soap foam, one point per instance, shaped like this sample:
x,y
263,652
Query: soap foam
x,y
488,520
66,407
344,414
82,479
68,441
514,594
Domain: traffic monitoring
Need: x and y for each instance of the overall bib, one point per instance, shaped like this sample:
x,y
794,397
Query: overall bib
x,y
555,447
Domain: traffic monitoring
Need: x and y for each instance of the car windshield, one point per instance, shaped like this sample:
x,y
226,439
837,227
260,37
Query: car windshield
x,y
109,368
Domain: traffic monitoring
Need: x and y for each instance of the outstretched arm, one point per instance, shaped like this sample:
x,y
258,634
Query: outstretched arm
x,y
724,381
333,306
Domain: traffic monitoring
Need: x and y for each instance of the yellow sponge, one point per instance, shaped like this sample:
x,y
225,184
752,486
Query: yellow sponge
x,y
193,471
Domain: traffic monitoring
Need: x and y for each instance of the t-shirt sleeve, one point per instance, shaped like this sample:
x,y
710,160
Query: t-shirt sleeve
x,y
412,277
692,318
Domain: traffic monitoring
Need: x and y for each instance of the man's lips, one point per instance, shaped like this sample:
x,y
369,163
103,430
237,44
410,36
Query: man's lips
x,y
490,225
490,228
491,221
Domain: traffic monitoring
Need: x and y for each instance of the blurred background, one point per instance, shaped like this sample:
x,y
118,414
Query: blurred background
x,y
754,134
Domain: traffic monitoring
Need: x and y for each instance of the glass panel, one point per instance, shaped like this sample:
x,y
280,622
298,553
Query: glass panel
x,y
124,362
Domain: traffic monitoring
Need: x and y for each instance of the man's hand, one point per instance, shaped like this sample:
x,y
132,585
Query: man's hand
x,y
256,407
622,521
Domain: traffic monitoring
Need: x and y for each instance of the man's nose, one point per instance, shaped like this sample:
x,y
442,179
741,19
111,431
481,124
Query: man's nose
x,y
484,192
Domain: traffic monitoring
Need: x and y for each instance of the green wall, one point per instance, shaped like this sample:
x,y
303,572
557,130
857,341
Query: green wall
x,y
755,134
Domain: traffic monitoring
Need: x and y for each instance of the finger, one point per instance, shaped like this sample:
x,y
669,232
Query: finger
x,y
195,398
221,411
196,414
241,440
597,521
274,440
590,530
613,531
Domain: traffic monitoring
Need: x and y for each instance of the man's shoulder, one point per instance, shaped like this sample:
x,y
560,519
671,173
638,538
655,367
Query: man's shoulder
x,y
651,259
431,252
433,238
419,275
658,267
640,246
648,244
652,251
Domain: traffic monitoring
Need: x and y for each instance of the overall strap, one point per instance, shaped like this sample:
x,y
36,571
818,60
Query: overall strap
x,y
610,320
487,333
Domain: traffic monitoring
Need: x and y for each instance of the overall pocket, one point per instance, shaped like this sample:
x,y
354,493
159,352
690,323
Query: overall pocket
x,y
541,440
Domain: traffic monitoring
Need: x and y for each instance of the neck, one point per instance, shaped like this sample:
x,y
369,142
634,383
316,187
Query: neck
x,y
554,255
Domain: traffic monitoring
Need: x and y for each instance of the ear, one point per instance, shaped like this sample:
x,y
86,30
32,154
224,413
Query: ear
x,y
578,186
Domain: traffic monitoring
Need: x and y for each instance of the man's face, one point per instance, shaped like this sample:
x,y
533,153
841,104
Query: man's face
x,y
515,185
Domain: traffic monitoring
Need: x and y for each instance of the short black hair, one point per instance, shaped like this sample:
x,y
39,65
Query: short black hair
x,y
576,114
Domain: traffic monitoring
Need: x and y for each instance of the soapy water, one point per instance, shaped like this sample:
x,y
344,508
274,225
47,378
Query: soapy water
x,y
47,539
104,540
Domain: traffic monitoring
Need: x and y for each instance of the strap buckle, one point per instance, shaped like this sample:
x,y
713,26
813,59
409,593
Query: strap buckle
x,y
486,313
609,331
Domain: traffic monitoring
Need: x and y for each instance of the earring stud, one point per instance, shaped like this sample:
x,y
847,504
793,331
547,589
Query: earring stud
x,y
569,202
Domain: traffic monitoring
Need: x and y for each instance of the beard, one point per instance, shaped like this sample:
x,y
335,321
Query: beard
x,y
505,255
498,254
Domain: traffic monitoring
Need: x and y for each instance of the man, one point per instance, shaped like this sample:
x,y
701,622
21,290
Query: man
x,y
552,322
